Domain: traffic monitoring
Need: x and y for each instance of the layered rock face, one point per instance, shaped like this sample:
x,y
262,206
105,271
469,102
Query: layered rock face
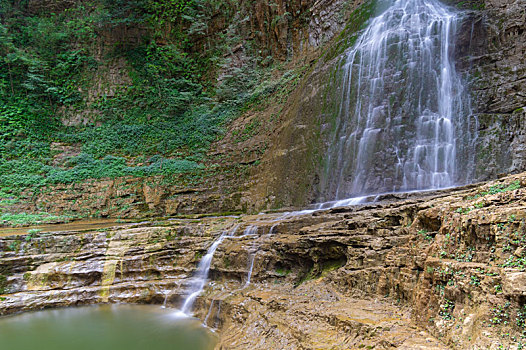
x,y
411,271
133,198
491,52
286,163
489,55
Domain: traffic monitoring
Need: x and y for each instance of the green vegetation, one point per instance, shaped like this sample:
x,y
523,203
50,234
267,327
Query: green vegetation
x,y
226,262
471,5
515,262
331,265
250,130
3,284
357,21
281,271
446,309
24,219
198,255
47,64
104,89
498,188
500,314
463,210
424,233
474,280
521,318
321,269
13,246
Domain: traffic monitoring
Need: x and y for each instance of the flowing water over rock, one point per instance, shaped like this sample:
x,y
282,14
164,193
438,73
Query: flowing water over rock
x,y
309,275
403,116
251,230
201,275
250,269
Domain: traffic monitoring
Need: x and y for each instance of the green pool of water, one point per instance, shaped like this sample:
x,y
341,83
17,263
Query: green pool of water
x,y
104,327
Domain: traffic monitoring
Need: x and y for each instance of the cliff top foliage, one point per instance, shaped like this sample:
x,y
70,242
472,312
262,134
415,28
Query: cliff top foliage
x,y
158,117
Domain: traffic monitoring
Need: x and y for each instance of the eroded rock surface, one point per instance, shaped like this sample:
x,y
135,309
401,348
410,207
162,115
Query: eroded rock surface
x,y
412,271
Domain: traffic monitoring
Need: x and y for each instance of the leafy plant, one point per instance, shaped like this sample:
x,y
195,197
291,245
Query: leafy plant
x,y
498,188
474,280
521,317
500,314
446,309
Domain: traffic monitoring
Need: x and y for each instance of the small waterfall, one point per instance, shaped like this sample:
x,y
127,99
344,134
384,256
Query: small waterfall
x,y
250,269
251,230
166,295
402,113
201,274
205,322
218,314
341,203
290,214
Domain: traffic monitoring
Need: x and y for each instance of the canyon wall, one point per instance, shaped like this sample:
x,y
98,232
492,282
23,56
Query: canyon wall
x,y
489,55
274,155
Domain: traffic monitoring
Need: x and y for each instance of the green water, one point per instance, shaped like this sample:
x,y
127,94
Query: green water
x,y
105,327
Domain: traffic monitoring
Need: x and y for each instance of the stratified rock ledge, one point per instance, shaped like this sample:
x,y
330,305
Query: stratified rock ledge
x,y
435,270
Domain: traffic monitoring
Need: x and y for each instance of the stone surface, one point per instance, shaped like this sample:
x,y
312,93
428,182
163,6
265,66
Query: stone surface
x,y
491,53
398,273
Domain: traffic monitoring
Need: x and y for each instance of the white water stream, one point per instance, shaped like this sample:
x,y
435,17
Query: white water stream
x,y
402,112
251,230
201,276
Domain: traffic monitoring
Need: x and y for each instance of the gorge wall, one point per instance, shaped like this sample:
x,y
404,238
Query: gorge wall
x,y
432,270
274,155
489,55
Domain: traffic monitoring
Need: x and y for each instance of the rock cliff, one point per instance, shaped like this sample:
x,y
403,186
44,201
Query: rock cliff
x,y
489,54
491,48
275,154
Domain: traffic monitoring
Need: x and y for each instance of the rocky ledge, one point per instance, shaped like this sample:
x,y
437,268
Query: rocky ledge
x,y
443,269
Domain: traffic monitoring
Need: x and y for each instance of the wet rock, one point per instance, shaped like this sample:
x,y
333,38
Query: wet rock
x,y
364,276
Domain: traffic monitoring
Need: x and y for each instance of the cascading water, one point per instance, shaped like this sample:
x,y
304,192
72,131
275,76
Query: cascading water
x,y
403,116
201,276
250,269
209,313
401,122
251,230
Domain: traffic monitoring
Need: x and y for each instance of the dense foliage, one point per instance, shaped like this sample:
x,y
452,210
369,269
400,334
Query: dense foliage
x,y
161,121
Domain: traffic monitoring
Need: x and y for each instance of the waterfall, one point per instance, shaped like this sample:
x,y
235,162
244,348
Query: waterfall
x,y
251,230
201,275
402,115
250,269
205,321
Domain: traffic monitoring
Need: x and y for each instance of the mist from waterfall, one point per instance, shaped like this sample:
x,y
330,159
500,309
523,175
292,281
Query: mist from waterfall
x,y
403,118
